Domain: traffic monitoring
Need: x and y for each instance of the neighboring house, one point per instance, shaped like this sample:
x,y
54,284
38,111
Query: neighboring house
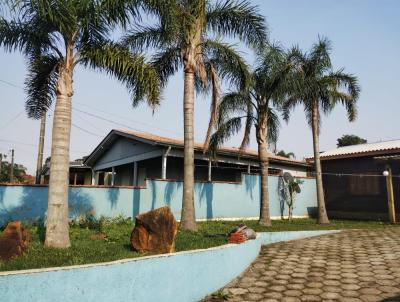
x,y
128,158
79,174
362,194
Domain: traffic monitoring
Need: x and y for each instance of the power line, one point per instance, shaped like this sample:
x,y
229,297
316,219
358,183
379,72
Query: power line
x,y
11,120
131,120
33,145
11,84
104,119
86,131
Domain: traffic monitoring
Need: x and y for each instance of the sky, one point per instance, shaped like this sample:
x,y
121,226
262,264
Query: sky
x,y
366,42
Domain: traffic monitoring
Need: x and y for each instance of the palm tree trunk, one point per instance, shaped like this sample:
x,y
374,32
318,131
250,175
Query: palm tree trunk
x,y
262,140
40,149
322,215
188,217
57,227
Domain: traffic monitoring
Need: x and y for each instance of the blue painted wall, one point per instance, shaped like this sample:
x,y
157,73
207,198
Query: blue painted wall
x,y
179,277
212,200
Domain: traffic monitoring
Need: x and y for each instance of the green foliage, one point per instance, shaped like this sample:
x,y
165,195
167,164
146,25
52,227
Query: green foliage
x,y
222,295
59,35
184,38
349,140
320,88
20,175
272,80
118,231
284,154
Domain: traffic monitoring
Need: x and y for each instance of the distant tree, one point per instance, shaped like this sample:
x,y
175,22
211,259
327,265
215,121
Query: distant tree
x,y
349,140
284,154
20,175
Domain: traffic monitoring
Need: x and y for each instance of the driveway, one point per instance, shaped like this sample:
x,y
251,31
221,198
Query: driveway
x,y
354,265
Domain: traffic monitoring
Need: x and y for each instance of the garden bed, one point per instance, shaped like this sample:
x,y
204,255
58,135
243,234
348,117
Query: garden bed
x,y
117,245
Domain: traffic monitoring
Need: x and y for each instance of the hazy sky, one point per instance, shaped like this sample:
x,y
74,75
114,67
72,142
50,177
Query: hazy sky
x,y
366,41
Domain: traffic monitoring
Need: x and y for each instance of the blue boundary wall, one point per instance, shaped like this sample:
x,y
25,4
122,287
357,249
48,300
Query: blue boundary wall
x,y
213,200
179,277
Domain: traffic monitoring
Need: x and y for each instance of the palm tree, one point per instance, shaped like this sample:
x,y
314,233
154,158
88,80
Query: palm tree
x,y
185,38
321,89
271,82
56,36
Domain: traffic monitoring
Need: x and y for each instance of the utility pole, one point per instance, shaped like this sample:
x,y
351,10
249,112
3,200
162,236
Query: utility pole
x,y
40,149
12,167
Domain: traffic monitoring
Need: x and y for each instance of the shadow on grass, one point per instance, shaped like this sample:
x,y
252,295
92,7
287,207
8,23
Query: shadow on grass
x,y
41,230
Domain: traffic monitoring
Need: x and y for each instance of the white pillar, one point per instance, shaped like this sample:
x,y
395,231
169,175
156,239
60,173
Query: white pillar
x,y
135,182
112,176
164,163
93,177
209,170
248,169
164,167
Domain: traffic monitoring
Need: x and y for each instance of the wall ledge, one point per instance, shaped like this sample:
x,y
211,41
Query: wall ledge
x,y
149,278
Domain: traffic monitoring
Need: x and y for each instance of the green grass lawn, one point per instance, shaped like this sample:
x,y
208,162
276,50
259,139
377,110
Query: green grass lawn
x,y
117,245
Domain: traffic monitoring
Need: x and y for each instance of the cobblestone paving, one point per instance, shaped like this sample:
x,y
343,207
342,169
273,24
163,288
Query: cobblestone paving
x,y
356,265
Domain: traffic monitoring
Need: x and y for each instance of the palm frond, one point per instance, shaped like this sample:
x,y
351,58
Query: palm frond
x,y
224,132
140,78
247,129
30,37
233,103
214,107
167,63
144,37
228,62
273,125
40,84
237,19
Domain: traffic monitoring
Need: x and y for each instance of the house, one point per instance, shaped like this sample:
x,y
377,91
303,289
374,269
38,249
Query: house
x,y
79,173
353,179
128,158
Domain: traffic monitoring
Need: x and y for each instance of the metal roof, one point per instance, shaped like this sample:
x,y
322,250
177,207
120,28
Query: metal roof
x,y
379,148
160,140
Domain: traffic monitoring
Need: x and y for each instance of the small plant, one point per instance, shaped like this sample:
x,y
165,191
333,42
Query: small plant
x,y
288,188
222,295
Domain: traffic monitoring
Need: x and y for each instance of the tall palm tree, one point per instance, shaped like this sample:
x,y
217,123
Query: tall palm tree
x,y
56,36
271,83
321,89
185,38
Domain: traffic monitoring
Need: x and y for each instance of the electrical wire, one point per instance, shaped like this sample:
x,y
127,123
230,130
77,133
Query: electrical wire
x,y
86,131
11,120
34,145
129,119
11,84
